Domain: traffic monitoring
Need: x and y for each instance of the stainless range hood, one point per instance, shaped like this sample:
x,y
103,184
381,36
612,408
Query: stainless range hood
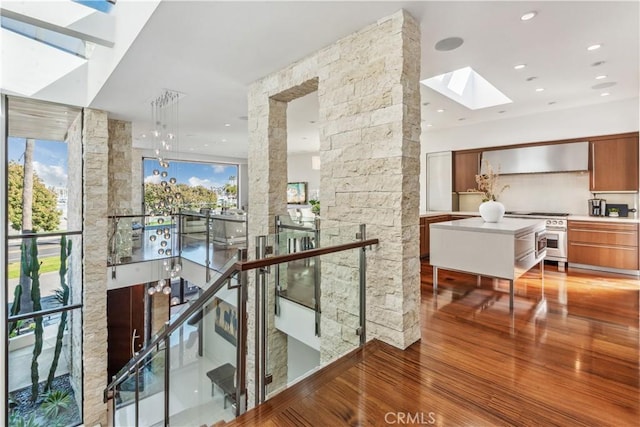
x,y
570,157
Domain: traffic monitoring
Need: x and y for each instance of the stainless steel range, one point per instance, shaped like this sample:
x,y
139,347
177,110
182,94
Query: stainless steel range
x,y
556,234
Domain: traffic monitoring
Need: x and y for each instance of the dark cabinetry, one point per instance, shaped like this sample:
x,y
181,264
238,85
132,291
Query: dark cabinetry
x,y
466,165
614,164
604,244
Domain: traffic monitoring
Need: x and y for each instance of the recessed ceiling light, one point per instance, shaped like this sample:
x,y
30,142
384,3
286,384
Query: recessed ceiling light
x,y
603,76
425,103
243,117
450,43
594,47
502,111
227,124
429,125
440,110
462,118
532,78
604,94
597,63
551,102
519,66
539,89
529,15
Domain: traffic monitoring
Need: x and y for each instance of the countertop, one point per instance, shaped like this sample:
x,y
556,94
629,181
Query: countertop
x,y
631,220
505,226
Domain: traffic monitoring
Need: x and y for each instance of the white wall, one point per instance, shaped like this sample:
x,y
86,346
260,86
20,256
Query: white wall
x,y
302,359
217,349
567,193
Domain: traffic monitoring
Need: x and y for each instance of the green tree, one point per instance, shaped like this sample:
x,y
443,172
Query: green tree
x,y
45,216
193,197
231,189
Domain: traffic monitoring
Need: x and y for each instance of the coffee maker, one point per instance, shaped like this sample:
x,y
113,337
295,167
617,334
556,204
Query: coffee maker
x,y
597,207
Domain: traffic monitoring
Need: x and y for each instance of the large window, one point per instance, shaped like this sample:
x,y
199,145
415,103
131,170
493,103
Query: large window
x,y
198,185
42,214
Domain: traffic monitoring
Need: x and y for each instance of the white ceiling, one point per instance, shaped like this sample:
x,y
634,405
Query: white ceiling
x,y
211,52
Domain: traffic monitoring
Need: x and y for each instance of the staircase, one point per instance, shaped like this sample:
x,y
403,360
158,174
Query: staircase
x,y
194,372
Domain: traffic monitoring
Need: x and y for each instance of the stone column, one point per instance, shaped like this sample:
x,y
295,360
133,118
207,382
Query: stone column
x,y
267,165
120,167
94,336
369,148
368,92
120,190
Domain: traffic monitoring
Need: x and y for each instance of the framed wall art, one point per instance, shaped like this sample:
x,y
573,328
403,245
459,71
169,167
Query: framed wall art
x,y
226,320
297,193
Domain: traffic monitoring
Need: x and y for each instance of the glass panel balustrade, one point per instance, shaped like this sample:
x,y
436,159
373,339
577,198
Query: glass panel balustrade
x,y
311,314
307,309
193,369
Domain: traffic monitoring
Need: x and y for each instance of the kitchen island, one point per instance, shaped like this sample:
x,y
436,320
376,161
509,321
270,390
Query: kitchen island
x,y
503,250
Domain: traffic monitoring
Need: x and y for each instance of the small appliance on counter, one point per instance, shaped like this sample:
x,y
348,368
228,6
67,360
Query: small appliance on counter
x,y
597,207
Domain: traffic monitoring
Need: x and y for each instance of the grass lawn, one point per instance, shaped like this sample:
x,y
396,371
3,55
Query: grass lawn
x,y
47,265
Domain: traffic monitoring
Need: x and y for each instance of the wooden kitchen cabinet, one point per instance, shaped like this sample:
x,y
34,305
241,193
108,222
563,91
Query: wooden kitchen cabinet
x,y
614,164
424,231
604,244
466,165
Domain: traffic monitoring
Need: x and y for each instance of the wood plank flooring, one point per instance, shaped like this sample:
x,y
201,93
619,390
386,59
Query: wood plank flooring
x,y
570,360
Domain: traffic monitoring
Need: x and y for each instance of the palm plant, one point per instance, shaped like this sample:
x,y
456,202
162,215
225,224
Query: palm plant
x,y
55,401
17,420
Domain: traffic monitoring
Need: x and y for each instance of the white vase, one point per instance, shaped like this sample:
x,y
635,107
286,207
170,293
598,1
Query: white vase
x,y
491,211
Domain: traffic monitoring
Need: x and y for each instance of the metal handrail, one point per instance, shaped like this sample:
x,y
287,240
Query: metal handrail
x,y
183,317
42,235
279,259
238,266
42,313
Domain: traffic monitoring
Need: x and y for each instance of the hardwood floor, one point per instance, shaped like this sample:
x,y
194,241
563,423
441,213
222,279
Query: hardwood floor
x,y
570,360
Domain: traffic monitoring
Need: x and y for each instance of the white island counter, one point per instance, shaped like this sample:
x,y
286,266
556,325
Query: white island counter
x,y
504,250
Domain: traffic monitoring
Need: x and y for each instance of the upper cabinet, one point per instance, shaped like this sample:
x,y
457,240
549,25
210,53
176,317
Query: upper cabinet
x,y
466,165
614,164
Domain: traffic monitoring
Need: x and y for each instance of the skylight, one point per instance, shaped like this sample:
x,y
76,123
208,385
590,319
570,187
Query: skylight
x,y
28,66
53,38
101,5
467,87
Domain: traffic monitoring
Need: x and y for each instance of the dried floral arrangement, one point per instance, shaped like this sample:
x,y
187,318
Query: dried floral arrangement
x,y
489,183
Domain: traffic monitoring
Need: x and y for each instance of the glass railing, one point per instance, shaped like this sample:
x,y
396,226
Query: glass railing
x,y
191,370
199,237
195,368
137,238
312,307
210,238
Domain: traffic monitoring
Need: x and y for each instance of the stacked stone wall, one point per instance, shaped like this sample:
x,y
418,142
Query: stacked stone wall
x,y
120,168
94,331
369,124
